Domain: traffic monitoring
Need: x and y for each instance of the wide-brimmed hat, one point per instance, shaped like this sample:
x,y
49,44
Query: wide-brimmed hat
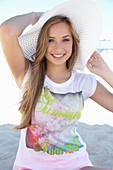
x,y
87,21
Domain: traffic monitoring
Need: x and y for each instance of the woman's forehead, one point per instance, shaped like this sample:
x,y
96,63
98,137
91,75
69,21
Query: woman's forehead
x,y
60,29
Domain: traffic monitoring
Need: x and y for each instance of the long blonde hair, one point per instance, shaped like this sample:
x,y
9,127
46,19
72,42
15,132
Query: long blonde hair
x,y
34,85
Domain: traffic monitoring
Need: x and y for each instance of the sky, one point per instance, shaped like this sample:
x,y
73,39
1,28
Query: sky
x,y
9,8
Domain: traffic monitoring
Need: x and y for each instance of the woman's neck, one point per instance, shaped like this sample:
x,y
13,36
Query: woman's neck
x,y
58,74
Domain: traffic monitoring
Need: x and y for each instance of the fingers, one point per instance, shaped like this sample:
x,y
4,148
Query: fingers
x,y
36,17
92,60
89,66
95,57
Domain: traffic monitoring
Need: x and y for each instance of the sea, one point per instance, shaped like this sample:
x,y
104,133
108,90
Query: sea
x,y
105,45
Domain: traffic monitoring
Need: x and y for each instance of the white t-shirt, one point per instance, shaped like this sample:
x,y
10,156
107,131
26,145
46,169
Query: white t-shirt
x,y
52,136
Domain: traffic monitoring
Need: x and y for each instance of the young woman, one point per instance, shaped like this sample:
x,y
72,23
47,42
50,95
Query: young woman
x,y
53,93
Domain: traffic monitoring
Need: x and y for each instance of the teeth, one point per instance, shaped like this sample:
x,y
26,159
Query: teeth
x,y
58,56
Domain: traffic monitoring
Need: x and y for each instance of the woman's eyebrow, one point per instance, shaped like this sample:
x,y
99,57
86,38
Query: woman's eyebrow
x,y
66,36
62,37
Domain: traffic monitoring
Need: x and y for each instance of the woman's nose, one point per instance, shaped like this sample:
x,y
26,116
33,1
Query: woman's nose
x,y
58,46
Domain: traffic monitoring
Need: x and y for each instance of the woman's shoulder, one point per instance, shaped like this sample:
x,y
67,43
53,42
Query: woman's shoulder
x,y
85,82
82,75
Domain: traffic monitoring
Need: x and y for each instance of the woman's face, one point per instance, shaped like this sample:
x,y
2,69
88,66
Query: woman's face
x,y
60,44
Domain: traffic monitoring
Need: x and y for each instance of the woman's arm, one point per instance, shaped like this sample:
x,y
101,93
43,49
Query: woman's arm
x,y
98,66
10,30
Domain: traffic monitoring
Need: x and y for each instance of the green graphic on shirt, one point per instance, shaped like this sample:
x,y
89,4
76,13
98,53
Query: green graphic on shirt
x,y
47,100
66,148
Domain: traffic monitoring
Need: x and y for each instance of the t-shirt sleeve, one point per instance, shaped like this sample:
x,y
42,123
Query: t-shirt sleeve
x,y
89,86
26,78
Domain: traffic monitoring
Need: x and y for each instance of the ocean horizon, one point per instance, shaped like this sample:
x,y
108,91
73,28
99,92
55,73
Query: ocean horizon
x,y
105,45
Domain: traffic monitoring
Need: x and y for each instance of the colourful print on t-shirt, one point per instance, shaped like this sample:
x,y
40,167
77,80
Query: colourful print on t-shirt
x,y
55,116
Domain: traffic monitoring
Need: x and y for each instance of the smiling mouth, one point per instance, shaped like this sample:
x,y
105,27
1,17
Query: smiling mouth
x,y
58,56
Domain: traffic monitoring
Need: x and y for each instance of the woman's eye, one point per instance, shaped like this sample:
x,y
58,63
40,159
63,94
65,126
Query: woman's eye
x,y
50,40
66,40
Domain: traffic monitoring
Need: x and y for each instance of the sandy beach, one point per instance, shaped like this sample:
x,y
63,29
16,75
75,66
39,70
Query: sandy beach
x,y
95,127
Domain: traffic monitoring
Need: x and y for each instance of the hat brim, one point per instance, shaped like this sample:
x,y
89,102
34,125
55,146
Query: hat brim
x,y
87,21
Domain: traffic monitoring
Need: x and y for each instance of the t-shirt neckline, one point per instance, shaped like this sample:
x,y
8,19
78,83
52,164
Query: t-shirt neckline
x,y
60,84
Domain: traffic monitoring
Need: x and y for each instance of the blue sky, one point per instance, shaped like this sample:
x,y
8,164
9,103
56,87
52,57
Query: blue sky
x,y
9,8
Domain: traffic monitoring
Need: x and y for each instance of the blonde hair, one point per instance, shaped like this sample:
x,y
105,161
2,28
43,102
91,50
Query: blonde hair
x,y
33,87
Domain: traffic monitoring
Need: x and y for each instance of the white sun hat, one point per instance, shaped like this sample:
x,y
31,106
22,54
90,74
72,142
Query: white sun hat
x,y
87,22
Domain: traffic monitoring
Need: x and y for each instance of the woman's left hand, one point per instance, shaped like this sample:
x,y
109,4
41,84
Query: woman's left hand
x,y
97,65
36,16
